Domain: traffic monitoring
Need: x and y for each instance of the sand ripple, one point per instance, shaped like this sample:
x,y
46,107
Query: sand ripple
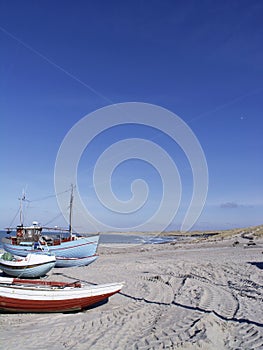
x,y
173,299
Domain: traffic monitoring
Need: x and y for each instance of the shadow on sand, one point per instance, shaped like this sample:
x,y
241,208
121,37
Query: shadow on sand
x,y
258,264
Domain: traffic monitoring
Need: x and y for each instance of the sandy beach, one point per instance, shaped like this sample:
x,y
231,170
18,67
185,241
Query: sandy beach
x,y
198,295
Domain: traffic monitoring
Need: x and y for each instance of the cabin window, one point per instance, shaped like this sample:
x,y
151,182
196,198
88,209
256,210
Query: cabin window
x,y
29,233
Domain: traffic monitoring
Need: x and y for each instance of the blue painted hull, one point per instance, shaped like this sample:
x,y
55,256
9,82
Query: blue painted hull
x,y
74,262
28,272
82,247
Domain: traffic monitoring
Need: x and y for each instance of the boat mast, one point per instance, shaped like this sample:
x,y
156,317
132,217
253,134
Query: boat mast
x,y
21,208
70,210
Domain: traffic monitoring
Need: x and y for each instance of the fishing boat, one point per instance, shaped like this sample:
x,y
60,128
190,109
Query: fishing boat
x,y
68,247
32,266
21,295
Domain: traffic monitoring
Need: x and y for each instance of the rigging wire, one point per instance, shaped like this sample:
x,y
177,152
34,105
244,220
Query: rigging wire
x,y
50,196
14,217
50,221
38,200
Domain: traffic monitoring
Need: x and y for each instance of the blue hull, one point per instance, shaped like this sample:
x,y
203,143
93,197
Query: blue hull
x,y
74,262
29,272
82,247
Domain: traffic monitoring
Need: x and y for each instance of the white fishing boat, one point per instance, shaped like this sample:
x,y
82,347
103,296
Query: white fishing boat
x,y
31,266
19,295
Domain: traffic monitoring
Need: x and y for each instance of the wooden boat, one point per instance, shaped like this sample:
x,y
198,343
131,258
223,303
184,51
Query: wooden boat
x,y
62,243
32,266
20,295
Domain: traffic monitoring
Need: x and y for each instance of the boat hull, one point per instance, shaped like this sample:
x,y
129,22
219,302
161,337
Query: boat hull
x,y
28,272
33,266
79,248
75,262
20,299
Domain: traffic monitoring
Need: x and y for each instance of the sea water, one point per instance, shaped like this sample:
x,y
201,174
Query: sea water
x,y
111,238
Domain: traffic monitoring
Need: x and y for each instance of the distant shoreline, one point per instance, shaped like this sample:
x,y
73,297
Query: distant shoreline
x,y
210,235
257,230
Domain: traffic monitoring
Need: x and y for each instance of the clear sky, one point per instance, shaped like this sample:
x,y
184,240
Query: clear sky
x,y
202,60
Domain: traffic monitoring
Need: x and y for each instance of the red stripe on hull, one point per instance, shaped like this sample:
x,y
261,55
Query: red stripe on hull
x,y
22,305
45,283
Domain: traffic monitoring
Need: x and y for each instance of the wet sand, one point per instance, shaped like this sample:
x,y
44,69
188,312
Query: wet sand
x,y
206,295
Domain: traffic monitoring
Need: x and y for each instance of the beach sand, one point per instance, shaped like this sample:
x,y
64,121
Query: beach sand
x,y
198,295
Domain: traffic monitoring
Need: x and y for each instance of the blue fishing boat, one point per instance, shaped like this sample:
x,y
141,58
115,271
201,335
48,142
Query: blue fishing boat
x,y
70,249
67,250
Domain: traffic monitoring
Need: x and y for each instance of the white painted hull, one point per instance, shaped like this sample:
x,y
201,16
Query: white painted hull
x,y
32,266
33,297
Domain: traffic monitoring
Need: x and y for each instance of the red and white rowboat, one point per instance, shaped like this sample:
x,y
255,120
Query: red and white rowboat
x,y
21,295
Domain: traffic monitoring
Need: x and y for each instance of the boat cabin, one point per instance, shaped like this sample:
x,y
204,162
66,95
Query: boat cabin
x,y
28,233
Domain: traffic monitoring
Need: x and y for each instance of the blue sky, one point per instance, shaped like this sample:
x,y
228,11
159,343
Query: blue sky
x,y
61,60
